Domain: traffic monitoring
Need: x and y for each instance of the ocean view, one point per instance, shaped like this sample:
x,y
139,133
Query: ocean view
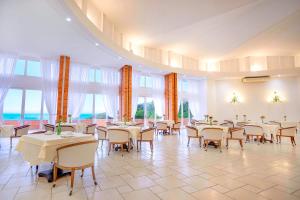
x,y
36,116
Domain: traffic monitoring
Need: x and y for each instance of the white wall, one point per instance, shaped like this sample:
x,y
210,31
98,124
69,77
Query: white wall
x,y
254,99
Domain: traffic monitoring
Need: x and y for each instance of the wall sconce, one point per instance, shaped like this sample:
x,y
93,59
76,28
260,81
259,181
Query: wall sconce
x,y
234,99
276,98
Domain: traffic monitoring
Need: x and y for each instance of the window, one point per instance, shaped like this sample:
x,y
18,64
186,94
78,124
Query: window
x,y
145,108
31,67
98,76
140,109
87,110
34,68
33,100
12,106
146,81
99,107
91,75
20,67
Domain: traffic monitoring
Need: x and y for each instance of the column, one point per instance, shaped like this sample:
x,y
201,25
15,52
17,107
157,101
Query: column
x,y
125,92
63,88
171,97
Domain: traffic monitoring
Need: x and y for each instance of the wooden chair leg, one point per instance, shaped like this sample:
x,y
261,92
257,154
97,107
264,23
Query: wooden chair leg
x,y
292,141
137,145
200,141
93,174
241,144
82,172
227,143
10,142
280,139
151,145
54,175
220,146
277,139
189,138
72,181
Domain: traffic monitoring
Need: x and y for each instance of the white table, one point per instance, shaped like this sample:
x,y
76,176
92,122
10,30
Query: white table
x,y
170,123
224,128
285,124
79,127
6,130
133,130
268,129
119,123
39,148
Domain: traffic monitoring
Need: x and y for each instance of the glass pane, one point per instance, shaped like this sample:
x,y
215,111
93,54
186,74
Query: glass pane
x,y
12,106
87,110
33,99
150,108
20,67
34,68
91,75
185,86
98,75
99,107
149,82
140,109
143,81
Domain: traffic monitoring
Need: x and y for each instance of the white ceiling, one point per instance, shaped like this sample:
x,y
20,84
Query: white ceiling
x,y
36,28
210,28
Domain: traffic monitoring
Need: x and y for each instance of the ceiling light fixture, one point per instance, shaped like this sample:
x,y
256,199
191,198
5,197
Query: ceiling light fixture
x,y
68,19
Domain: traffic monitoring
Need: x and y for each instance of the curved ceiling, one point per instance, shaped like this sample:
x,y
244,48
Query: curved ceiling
x,y
209,29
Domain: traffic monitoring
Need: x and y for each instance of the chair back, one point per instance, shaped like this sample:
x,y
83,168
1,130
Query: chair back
x,y
67,128
212,133
139,124
49,127
151,124
161,125
21,130
90,129
102,132
147,134
77,154
253,130
191,131
237,133
289,131
227,124
177,125
118,135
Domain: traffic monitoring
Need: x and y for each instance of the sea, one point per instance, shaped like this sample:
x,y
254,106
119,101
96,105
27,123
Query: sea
x,y
36,116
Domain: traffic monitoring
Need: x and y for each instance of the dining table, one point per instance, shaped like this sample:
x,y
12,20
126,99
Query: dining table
x,y
41,148
170,123
78,127
133,130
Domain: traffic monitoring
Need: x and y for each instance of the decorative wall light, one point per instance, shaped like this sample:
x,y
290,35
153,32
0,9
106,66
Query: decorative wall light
x,y
276,98
234,99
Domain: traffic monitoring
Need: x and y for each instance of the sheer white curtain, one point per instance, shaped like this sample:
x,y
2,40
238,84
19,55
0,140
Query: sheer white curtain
x,y
78,88
158,94
110,81
50,78
135,92
7,66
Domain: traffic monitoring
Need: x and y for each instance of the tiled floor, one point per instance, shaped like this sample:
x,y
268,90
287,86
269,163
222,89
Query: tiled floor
x,y
174,171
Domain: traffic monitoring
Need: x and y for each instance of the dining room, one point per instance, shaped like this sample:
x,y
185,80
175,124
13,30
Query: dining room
x,y
146,100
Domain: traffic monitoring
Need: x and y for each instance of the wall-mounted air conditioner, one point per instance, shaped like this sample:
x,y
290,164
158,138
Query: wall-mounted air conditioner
x,y
255,79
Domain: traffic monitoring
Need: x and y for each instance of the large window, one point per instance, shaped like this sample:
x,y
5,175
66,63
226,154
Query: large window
x,y
146,81
145,109
12,107
87,110
28,68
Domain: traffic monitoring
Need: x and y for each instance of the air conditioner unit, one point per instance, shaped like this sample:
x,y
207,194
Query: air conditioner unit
x,y
255,79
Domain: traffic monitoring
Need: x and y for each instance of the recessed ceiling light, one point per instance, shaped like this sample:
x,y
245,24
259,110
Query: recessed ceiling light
x,y
68,19
97,44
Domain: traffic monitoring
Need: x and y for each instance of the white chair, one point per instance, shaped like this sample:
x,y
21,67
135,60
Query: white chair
x,y
235,134
212,135
118,136
254,131
151,124
287,132
145,136
75,157
19,132
192,132
162,127
176,128
227,124
102,133
90,129
66,128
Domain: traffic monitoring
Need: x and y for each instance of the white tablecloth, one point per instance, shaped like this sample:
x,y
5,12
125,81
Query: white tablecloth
x,y
268,129
285,124
79,127
6,130
169,122
119,123
39,148
133,130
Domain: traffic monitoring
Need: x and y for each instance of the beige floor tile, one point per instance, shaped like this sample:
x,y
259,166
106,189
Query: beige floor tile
x,y
220,189
110,194
189,189
175,194
8,194
244,194
157,189
170,182
210,194
144,194
277,195
124,189
140,182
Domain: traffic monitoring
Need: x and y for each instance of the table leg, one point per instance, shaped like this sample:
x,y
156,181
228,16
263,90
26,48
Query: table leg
x,y
48,174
